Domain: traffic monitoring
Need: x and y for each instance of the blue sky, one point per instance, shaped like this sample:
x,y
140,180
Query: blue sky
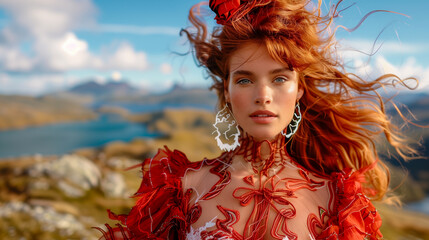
x,y
49,45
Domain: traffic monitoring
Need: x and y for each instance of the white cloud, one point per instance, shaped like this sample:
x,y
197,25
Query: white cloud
x,y
38,18
362,68
73,46
166,68
363,48
12,59
4,80
48,27
116,76
408,69
357,56
51,55
126,58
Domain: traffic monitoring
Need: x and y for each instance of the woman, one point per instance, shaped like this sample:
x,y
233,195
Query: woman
x,y
300,159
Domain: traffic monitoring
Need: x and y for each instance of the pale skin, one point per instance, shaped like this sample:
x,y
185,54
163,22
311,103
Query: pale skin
x,y
261,92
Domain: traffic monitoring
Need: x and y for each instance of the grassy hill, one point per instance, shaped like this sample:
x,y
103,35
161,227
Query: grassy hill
x,y
18,112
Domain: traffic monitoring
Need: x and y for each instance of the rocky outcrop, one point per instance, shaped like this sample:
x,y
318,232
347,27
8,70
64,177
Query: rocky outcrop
x,y
44,218
113,185
74,175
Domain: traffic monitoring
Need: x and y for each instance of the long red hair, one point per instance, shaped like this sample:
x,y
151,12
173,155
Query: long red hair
x,y
342,114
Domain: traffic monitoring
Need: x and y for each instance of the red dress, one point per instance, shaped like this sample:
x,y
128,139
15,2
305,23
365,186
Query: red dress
x,y
222,199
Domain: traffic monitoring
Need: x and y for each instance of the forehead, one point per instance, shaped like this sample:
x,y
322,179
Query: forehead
x,y
252,56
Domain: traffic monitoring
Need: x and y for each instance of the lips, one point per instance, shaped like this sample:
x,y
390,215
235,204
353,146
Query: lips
x,y
263,113
263,116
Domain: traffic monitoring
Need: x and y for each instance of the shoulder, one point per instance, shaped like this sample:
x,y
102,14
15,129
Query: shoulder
x,y
165,168
354,216
168,166
161,211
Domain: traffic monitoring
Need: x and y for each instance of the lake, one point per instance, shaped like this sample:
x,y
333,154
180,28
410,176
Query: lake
x,y
421,206
65,137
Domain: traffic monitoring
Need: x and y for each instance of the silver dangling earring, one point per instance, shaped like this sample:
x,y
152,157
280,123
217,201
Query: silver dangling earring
x,y
227,130
293,125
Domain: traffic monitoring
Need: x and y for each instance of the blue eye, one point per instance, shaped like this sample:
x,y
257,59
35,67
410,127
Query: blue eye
x,y
243,81
280,79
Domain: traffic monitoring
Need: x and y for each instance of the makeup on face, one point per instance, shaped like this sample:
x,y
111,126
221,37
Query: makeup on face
x,y
261,91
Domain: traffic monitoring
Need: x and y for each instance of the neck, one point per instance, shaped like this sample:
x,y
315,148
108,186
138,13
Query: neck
x,y
262,154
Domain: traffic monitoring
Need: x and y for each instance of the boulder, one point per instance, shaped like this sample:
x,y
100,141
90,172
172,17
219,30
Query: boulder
x,y
113,185
73,174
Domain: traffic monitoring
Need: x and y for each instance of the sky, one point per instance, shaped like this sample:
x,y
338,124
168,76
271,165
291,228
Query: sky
x,y
52,45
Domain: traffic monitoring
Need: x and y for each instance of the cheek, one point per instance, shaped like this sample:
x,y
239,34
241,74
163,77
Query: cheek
x,y
289,93
239,105
238,99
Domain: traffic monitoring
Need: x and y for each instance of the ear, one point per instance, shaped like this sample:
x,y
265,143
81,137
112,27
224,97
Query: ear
x,y
299,94
226,92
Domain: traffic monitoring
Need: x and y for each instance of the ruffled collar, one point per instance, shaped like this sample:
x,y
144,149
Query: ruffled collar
x,y
263,155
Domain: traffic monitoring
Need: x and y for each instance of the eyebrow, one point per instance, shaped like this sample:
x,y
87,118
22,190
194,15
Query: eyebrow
x,y
242,72
249,73
279,70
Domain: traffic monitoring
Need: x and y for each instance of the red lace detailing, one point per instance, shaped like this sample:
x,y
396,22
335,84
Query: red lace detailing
x,y
317,223
224,227
163,210
194,213
219,169
280,225
356,217
251,151
249,180
115,233
308,183
265,197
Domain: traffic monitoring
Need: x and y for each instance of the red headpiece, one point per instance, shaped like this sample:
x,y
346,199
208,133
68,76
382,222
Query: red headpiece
x,y
226,9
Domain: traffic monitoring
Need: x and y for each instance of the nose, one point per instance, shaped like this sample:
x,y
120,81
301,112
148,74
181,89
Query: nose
x,y
263,95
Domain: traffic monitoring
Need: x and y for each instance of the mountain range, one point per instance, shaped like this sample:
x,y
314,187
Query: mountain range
x,y
94,94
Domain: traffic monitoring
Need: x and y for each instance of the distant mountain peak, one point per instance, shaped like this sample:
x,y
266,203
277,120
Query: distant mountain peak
x,y
93,87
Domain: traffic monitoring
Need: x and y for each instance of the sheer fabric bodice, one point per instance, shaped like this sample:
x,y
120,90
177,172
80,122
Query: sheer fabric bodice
x,y
244,195
243,200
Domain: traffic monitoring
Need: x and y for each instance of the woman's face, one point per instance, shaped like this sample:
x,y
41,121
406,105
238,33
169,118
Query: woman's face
x,y
262,92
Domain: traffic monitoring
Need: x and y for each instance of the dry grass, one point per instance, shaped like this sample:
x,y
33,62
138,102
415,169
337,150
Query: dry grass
x,y
401,224
21,111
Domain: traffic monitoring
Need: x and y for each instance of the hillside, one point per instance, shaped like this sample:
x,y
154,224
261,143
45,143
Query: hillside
x,y
176,96
112,93
84,101
18,112
92,92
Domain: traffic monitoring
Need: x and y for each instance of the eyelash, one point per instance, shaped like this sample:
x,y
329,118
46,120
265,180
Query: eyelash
x,y
284,79
246,80
240,81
